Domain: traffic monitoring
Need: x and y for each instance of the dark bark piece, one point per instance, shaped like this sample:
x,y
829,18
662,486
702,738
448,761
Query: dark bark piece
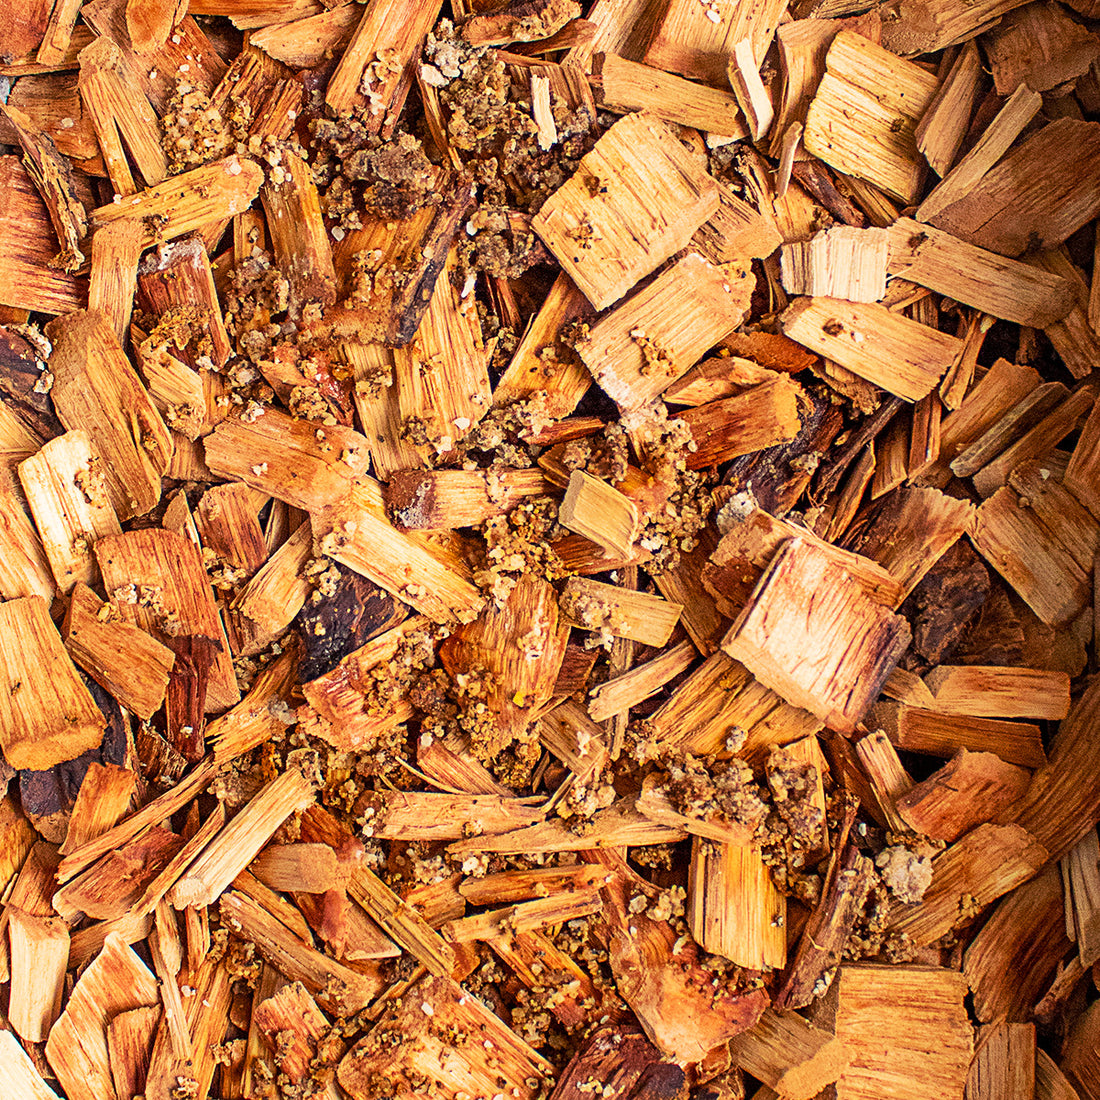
x,y
831,922
48,796
160,762
412,256
113,747
778,476
829,475
333,627
624,1061
660,1081
945,603
729,1085
995,635
818,181
19,374
46,801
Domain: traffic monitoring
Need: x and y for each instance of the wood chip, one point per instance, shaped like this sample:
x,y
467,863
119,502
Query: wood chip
x,y
605,236
773,634
903,357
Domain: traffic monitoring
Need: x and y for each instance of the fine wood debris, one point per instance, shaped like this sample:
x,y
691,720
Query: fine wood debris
x,y
549,548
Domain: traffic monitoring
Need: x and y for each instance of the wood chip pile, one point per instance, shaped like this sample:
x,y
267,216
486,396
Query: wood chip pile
x,y
548,550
